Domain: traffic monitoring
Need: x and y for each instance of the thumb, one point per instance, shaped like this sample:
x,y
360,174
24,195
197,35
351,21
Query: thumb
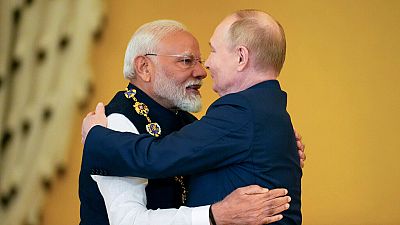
x,y
100,108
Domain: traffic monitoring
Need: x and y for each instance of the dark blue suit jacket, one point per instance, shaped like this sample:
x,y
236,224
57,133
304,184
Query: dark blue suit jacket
x,y
244,138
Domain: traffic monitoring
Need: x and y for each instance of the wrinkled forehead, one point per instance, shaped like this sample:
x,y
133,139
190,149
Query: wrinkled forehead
x,y
181,42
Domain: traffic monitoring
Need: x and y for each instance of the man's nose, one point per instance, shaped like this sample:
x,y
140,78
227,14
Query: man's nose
x,y
199,71
206,64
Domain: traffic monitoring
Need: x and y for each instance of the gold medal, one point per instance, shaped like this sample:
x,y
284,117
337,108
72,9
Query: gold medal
x,y
142,109
153,129
130,93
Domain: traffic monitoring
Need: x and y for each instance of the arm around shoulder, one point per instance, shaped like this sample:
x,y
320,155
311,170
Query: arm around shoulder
x,y
224,132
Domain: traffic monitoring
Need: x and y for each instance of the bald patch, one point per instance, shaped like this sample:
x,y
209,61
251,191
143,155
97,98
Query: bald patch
x,y
263,19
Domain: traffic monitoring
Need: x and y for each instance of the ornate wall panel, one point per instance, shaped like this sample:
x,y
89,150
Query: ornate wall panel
x,y
44,78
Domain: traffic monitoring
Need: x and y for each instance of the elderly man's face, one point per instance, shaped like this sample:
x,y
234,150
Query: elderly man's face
x,y
179,72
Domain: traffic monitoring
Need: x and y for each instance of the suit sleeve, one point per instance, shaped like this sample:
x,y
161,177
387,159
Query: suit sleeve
x,y
125,197
222,137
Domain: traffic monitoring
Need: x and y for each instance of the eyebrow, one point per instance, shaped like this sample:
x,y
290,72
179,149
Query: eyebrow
x,y
188,55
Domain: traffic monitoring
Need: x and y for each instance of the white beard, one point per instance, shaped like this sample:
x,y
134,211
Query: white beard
x,y
168,89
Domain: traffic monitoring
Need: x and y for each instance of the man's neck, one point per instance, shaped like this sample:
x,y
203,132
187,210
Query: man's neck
x,y
250,79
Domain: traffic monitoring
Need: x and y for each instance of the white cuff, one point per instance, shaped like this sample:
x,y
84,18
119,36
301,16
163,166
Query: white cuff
x,y
200,215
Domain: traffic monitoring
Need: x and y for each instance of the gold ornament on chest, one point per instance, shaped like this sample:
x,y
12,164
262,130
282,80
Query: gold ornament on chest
x,y
153,129
143,110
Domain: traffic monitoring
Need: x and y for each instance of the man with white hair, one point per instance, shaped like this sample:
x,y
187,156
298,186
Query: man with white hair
x,y
163,66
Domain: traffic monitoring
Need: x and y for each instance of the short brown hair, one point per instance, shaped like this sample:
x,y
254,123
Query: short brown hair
x,y
266,43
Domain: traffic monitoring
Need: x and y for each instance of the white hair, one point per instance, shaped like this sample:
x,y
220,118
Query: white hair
x,y
146,39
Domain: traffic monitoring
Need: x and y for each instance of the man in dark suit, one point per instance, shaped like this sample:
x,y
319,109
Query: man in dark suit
x,y
245,138
166,89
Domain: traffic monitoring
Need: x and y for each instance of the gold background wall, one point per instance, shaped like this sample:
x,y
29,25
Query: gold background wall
x,y
342,78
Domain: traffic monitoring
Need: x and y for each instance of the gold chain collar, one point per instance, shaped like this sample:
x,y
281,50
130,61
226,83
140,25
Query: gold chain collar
x,y
142,109
153,129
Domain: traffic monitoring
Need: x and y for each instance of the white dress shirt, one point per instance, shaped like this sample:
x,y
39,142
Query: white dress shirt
x,y
125,197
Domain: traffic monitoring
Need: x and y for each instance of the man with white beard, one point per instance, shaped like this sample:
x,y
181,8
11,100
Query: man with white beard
x,y
164,69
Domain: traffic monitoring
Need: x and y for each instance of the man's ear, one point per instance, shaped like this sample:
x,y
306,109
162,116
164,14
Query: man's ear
x,y
243,57
142,68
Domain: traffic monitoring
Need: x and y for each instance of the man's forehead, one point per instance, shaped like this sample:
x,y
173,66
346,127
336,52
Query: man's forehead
x,y
180,43
226,23
221,30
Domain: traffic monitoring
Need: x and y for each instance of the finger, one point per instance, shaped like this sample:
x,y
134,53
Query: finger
x,y
90,113
272,219
275,205
100,108
302,159
298,136
300,145
274,193
301,154
83,136
279,209
253,189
